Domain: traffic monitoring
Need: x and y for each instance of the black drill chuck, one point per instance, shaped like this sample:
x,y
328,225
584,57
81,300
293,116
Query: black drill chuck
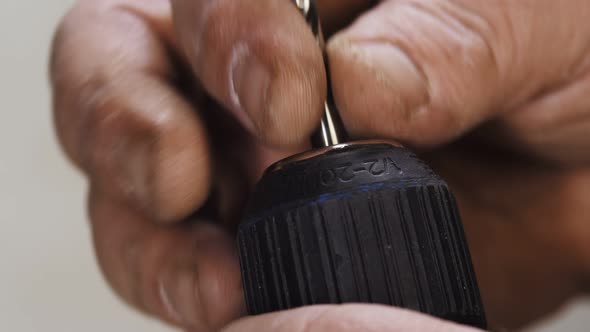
x,y
358,223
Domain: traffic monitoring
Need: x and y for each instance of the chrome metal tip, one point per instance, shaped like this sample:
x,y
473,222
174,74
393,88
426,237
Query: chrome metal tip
x,y
330,131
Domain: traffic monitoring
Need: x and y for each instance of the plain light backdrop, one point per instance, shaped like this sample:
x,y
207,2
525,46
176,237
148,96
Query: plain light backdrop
x,y
49,280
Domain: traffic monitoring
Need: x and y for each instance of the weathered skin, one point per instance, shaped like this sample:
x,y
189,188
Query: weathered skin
x,y
494,93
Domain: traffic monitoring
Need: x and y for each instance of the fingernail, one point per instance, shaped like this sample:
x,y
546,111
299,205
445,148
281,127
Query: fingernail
x,y
179,298
390,63
250,84
169,306
387,68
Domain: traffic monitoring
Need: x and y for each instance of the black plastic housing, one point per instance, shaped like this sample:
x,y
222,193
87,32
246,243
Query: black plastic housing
x,y
364,223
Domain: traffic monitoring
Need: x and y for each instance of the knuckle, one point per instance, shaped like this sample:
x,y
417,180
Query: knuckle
x,y
73,21
74,77
109,125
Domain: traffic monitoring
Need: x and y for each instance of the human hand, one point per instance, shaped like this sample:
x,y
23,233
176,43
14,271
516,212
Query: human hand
x,y
513,77
131,114
345,318
132,82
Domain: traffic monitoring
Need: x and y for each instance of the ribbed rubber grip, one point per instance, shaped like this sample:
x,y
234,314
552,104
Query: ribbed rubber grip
x,y
384,229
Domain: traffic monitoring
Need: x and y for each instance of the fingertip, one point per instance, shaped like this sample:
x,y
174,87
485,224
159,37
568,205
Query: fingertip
x,y
278,96
405,72
144,144
295,105
278,82
261,62
378,88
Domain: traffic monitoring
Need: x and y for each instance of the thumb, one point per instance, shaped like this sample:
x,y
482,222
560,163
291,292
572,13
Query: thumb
x,y
260,60
425,72
345,318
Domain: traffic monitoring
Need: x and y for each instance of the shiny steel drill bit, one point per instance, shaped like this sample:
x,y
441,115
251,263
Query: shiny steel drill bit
x,y
331,131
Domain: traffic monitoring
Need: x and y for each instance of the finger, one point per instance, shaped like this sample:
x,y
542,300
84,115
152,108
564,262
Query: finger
x,y
260,60
187,274
427,71
117,113
345,318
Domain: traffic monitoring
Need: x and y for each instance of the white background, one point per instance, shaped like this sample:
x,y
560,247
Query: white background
x,y
48,277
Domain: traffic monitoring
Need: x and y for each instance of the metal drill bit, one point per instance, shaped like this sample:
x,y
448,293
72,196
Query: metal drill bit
x,y
331,131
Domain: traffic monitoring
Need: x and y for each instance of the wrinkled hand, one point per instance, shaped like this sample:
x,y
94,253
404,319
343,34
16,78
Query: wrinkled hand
x,y
172,107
